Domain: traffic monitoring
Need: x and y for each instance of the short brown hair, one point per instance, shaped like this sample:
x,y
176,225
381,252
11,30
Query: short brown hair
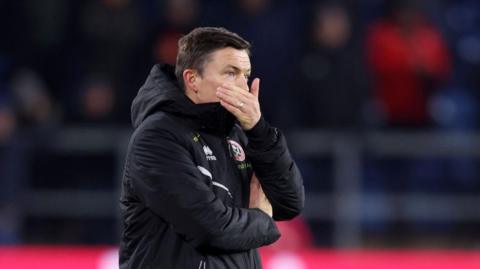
x,y
195,48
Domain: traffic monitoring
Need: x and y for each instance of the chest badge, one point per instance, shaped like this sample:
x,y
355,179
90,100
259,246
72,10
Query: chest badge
x,y
236,150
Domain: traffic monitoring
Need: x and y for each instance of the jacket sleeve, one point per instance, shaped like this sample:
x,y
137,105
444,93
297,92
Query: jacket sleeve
x,y
276,170
165,177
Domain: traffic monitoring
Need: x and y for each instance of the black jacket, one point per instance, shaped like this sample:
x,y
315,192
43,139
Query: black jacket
x,y
185,188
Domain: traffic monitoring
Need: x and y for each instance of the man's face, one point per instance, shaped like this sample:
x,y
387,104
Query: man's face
x,y
227,65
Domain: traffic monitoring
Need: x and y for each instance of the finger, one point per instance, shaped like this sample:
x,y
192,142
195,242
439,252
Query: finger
x,y
235,90
231,108
254,181
232,100
255,88
255,178
222,92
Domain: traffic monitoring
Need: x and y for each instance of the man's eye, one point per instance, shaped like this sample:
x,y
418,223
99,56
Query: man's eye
x,y
231,74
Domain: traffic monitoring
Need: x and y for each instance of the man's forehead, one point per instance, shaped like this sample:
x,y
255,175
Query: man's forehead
x,y
233,57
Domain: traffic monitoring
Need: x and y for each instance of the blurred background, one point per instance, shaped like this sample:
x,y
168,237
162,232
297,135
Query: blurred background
x,y
379,100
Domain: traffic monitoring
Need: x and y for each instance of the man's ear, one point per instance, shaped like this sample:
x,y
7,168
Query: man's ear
x,y
190,78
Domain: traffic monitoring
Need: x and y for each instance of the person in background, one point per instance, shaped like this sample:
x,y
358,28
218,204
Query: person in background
x,y
409,63
111,32
177,21
95,102
333,86
408,59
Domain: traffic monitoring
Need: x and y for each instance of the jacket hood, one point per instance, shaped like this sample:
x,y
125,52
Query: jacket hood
x,y
161,92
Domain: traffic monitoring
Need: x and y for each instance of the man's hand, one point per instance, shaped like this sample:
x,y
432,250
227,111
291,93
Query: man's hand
x,y
243,104
258,198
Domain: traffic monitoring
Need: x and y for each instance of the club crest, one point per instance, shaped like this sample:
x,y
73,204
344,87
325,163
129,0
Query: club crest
x,y
237,151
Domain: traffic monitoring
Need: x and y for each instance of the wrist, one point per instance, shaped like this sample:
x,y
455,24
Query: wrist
x,y
262,136
250,125
259,129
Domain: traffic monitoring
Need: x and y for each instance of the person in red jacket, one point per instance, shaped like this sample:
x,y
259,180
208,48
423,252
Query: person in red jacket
x,y
408,58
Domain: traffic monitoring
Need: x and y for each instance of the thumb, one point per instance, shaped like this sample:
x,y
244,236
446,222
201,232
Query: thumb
x,y
254,180
255,88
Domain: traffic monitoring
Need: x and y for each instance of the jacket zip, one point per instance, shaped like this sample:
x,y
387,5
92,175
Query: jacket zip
x,y
202,265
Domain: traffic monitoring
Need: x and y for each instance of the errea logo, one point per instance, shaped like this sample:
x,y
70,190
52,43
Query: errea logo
x,y
209,153
207,150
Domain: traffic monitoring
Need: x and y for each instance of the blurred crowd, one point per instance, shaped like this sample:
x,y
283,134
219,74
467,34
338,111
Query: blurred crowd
x,y
332,65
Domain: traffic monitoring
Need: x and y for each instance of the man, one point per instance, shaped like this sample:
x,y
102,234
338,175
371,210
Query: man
x,y
199,190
